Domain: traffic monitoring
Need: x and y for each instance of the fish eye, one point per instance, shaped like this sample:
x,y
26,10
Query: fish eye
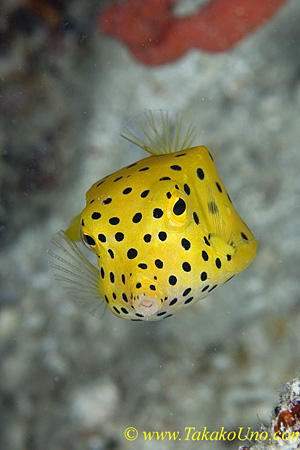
x,y
87,240
179,207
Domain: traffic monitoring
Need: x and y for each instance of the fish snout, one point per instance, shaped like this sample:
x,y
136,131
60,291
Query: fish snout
x,y
145,305
146,296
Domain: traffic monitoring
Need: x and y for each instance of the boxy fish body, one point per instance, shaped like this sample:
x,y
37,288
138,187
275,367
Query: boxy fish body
x,y
164,230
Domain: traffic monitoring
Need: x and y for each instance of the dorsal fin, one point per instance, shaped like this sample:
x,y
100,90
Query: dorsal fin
x,y
159,132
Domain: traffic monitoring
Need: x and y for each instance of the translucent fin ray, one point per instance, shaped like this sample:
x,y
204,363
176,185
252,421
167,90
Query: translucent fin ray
x,y
159,132
75,272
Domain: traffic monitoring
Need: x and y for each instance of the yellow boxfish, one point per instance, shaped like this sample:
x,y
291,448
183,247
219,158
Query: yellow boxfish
x,y
164,229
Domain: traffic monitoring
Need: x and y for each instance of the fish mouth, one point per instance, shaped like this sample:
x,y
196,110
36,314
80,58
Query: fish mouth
x,y
147,306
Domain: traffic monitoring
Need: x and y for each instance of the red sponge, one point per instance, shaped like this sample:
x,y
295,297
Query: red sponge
x,y
155,36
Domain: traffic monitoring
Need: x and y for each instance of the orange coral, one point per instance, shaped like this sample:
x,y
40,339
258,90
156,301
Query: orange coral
x,y
287,419
155,36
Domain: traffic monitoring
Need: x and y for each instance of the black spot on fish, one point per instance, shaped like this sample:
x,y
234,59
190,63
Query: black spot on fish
x,y
203,276
132,253
185,244
137,218
218,263
186,267
127,191
131,165
204,255
186,292
172,302
196,218
162,236
157,213
175,167
159,264
187,189
200,174
206,241
96,215
219,187
172,280
114,220
145,193
212,288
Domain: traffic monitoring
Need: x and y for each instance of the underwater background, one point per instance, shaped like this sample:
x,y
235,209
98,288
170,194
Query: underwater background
x,y
67,379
